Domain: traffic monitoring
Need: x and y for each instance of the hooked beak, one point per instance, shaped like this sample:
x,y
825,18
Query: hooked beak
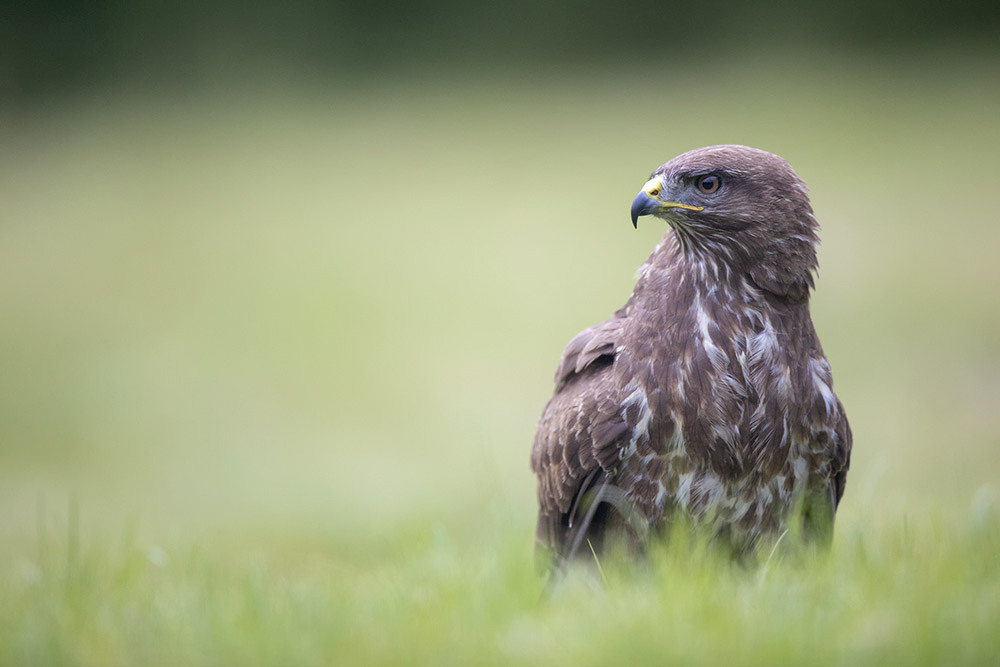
x,y
643,204
648,201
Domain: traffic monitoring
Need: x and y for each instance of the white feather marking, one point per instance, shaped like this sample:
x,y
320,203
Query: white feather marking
x,y
647,459
702,320
761,346
628,451
779,483
784,383
765,498
661,495
799,473
683,494
676,442
820,372
740,508
639,399
727,433
712,488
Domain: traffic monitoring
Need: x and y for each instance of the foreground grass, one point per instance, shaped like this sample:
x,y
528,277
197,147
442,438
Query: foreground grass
x,y
912,594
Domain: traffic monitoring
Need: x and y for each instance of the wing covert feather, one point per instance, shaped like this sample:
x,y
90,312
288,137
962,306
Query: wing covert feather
x,y
582,427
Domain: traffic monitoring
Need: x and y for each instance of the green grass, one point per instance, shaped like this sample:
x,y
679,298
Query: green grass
x,y
272,359
928,595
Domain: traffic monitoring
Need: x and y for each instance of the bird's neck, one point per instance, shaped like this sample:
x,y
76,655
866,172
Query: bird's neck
x,y
681,275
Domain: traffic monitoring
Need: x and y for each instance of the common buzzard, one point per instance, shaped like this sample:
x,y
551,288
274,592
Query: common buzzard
x,y
708,394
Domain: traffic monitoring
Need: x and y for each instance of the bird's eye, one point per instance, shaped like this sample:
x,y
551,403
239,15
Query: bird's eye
x,y
708,184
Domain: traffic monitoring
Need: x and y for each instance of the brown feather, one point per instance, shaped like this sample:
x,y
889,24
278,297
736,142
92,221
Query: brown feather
x,y
708,393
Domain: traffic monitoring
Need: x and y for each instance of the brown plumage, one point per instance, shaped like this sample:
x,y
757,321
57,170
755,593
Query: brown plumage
x,y
708,393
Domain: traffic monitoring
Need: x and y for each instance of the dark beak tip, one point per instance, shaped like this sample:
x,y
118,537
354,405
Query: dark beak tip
x,y
641,205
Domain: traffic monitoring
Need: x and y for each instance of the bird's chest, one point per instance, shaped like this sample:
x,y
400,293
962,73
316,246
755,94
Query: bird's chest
x,y
718,422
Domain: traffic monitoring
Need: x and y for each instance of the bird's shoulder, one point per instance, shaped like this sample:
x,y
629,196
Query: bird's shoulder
x,y
595,346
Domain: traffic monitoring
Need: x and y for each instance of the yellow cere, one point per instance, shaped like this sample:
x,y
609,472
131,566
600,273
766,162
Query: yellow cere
x,y
654,187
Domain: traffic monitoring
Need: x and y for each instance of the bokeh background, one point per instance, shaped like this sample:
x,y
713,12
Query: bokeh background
x,y
280,276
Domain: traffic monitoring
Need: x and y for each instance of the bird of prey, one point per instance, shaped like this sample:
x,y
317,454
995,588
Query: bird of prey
x,y
707,396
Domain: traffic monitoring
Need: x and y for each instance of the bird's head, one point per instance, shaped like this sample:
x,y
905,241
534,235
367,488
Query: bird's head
x,y
743,207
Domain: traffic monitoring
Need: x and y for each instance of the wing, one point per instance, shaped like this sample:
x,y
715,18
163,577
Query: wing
x,y
580,434
832,436
843,441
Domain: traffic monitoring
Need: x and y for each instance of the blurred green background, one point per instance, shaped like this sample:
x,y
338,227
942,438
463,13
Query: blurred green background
x,y
286,277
